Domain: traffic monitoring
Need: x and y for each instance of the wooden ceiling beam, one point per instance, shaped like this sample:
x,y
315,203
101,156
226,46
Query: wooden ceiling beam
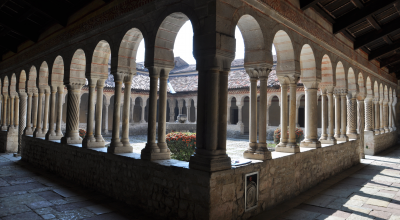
x,y
390,60
323,13
304,4
384,50
358,14
28,33
49,11
394,69
374,35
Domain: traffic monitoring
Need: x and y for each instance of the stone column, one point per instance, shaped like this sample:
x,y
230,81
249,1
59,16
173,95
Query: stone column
x,y
16,115
22,120
162,115
8,111
99,112
152,151
72,130
297,113
116,145
361,119
38,130
89,138
4,127
180,106
46,112
292,118
240,116
132,109
369,116
381,118
352,117
125,114
195,112
228,113
343,117
385,114
337,115
11,124
51,133
28,129
331,111
188,103
171,111
390,116
324,117
394,113
281,147
248,153
143,105
105,118
60,93
376,102
262,152
210,152
311,102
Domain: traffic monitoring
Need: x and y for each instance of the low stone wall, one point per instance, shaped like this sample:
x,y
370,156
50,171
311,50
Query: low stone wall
x,y
170,188
9,141
280,179
374,144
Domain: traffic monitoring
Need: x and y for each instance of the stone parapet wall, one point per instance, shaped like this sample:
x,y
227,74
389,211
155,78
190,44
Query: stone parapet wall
x,y
378,143
167,188
170,189
279,179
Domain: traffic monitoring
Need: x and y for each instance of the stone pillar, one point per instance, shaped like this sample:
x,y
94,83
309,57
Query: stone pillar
x,y
180,106
281,147
89,141
16,115
72,130
116,145
132,109
253,114
376,102
38,130
369,116
188,103
143,105
22,120
11,124
324,116
228,113
331,111
343,117
46,112
28,129
195,112
311,102
394,113
152,151
240,116
105,118
51,133
352,117
337,115
210,152
297,113
99,111
390,116
385,114
381,118
292,118
125,113
262,152
162,115
171,110
4,127
361,119
60,93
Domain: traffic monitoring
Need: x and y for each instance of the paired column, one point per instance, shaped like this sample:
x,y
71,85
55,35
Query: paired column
x,y
331,112
240,116
343,117
11,124
361,119
369,116
188,103
105,118
377,120
337,114
385,114
352,117
292,144
22,119
394,113
60,93
72,128
99,112
46,112
381,118
125,113
116,145
171,111
51,133
34,111
282,146
28,130
390,116
4,120
153,150
143,105
253,114
261,152
324,117
54,133
311,102
16,116
38,130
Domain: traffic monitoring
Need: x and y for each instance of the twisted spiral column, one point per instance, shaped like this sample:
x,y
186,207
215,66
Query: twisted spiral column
x,y
352,117
22,119
72,133
368,115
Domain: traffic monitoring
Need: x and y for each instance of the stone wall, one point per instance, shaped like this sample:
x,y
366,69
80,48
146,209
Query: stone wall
x,y
378,143
167,188
279,179
9,141
170,189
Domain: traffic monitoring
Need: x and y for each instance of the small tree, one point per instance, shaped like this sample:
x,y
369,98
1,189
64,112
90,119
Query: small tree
x,y
182,145
298,132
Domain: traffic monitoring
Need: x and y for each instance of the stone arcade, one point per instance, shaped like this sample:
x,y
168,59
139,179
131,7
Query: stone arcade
x,y
358,102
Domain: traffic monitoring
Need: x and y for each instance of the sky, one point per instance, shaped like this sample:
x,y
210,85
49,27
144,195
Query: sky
x,y
184,45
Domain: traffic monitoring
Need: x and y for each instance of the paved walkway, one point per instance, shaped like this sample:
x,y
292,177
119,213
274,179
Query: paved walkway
x,y
29,193
367,191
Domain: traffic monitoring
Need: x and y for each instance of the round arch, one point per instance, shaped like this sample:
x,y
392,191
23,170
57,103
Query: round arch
x,y
284,53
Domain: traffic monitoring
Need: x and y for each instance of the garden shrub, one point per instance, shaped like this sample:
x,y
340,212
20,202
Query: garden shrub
x,y
182,145
277,135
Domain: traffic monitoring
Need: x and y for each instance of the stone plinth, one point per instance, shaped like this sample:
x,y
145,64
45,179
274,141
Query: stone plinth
x,y
378,142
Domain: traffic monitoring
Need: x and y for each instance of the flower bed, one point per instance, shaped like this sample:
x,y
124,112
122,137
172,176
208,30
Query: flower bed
x,y
82,133
277,135
182,145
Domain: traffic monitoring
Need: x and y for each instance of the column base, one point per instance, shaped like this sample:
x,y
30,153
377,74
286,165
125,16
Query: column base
x,y
119,149
53,138
329,140
387,130
343,138
92,143
310,144
286,148
39,134
4,128
352,136
28,131
71,140
261,155
152,152
382,131
210,163
163,147
376,132
323,137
